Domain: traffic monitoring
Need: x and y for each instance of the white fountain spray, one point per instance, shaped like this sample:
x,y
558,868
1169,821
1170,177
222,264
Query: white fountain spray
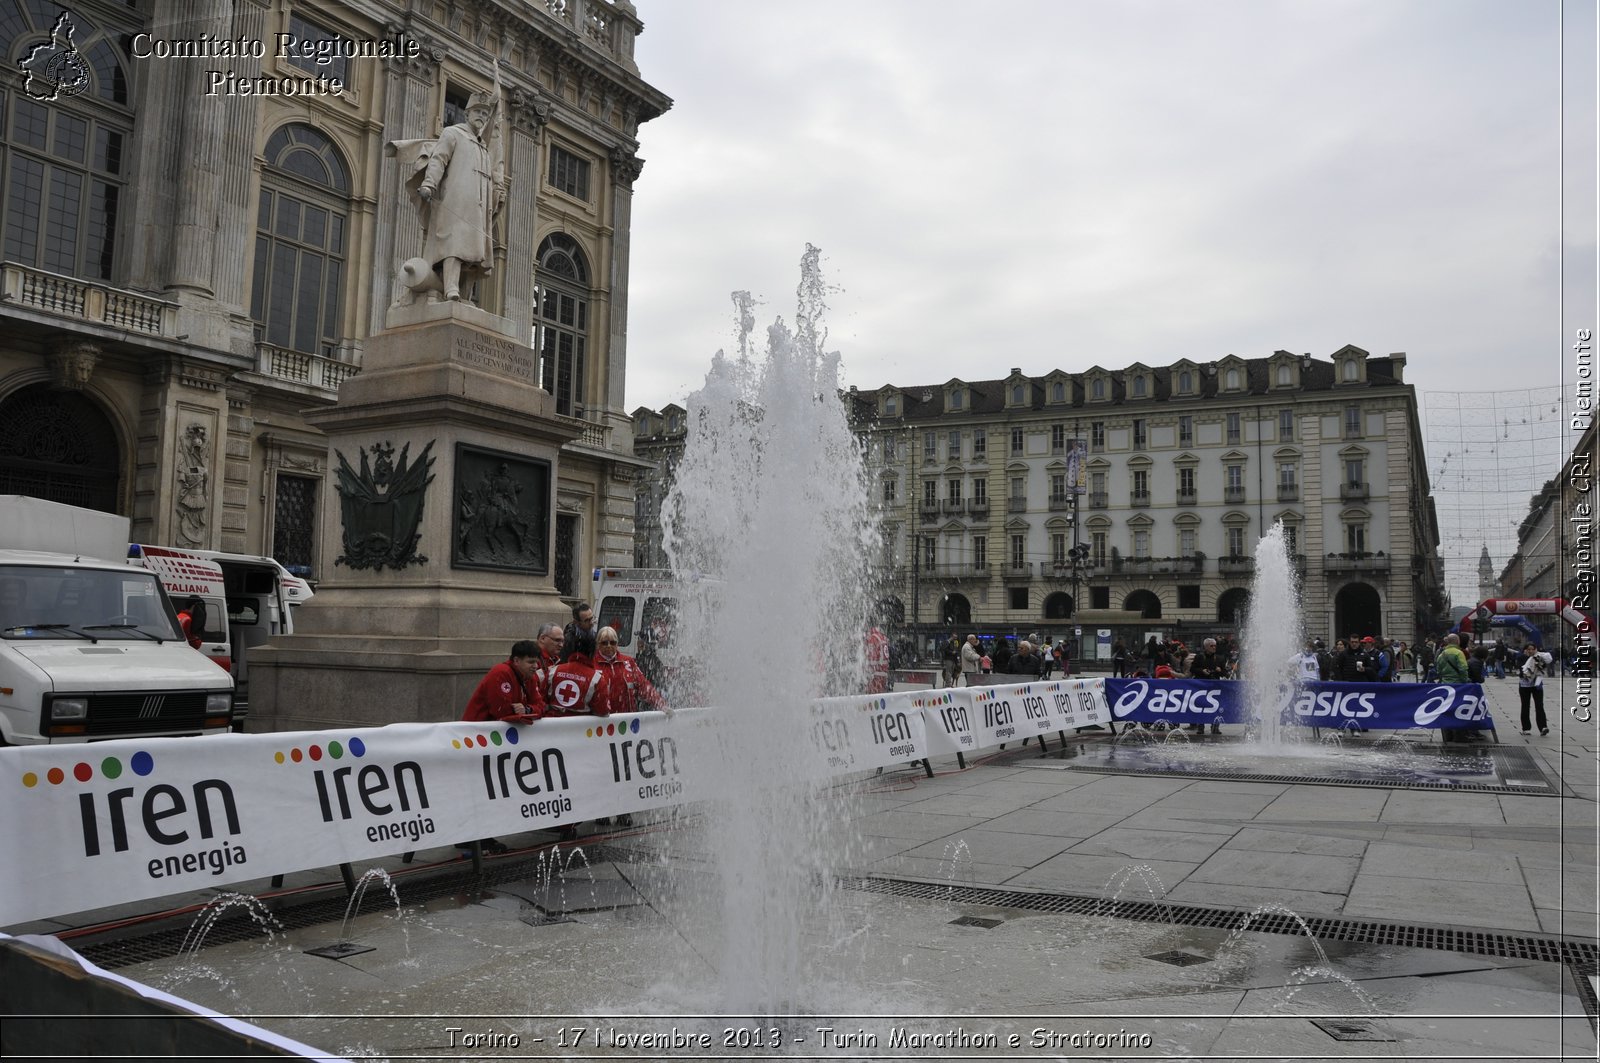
x,y
1273,638
770,501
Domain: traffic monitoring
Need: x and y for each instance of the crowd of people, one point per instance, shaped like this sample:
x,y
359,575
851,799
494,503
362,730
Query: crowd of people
x,y
968,661
570,671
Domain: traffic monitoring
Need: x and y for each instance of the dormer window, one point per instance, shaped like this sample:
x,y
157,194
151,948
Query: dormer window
x,y
1018,393
1138,387
1185,382
891,406
1099,388
955,399
1058,392
1351,370
1285,376
1231,380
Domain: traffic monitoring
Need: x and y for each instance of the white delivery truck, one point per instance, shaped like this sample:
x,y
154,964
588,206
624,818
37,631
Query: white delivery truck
x,y
90,646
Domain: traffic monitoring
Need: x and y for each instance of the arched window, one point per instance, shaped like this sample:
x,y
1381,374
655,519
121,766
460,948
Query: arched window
x,y
1018,395
1099,388
1185,382
59,446
562,280
63,160
1285,376
297,289
1351,370
1232,379
1138,387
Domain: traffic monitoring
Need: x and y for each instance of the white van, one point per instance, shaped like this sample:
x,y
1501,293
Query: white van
x,y
261,597
194,584
90,647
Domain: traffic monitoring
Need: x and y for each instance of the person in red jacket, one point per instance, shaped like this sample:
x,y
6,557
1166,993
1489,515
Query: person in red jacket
x,y
575,687
508,691
627,688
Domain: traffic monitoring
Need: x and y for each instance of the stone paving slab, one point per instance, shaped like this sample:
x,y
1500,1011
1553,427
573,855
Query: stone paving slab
x,y
1247,898
1419,861
1053,822
1296,871
995,847
1131,843
1081,872
1505,906
1283,840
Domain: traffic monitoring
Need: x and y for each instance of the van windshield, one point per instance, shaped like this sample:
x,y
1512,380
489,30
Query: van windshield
x,y
44,602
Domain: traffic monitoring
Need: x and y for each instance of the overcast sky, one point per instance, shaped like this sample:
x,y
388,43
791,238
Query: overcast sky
x,y
1057,184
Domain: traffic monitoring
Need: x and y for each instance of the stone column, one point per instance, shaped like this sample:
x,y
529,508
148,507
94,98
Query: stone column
x,y
528,111
201,147
408,114
235,231
625,169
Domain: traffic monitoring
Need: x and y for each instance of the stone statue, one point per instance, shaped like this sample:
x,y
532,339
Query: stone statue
x,y
194,481
458,185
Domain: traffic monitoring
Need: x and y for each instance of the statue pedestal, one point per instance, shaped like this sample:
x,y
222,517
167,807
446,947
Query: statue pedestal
x,y
437,530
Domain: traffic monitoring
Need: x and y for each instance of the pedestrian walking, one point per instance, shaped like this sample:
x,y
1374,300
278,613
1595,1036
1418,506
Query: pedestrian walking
x,y
1530,685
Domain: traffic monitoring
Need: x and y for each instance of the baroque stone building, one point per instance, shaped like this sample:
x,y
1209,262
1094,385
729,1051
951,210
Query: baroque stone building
x,y
1130,500
193,257
1555,554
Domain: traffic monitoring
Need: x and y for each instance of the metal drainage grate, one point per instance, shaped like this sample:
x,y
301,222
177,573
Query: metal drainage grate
x,y
973,920
1449,939
1351,1030
1179,958
341,951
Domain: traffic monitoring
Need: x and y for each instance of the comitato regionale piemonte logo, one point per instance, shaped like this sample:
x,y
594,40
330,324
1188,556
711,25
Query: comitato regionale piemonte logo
x,y
53,69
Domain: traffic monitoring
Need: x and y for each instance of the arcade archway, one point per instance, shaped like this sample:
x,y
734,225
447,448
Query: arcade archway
x,y
58,446
1357,610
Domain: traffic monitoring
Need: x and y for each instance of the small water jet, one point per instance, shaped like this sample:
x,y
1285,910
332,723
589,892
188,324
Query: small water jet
x,y
344,947
1119,881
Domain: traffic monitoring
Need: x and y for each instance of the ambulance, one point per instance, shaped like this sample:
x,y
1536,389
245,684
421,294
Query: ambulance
x,y
254,599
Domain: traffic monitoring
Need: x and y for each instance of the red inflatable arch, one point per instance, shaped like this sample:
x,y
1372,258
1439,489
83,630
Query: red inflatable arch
x,y
1580,621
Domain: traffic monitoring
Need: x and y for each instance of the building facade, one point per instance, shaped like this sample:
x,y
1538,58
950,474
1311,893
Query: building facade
x,y
1131,500
1555,554
197,247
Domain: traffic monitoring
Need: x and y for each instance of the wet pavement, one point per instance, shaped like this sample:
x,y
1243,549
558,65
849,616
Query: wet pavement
x,y
604,953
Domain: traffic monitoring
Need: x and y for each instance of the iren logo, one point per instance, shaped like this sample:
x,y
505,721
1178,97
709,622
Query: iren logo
x,y
379,791
163,813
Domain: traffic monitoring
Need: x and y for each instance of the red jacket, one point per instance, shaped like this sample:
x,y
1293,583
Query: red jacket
x,y
628,689
574,688
500,691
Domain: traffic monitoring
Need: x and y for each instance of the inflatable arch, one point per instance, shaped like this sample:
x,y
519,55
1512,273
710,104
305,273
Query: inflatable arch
x,y
1576,618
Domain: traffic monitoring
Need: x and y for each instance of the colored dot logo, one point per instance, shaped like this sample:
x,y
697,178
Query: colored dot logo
x,y
613,728
508,737
334,750
141,764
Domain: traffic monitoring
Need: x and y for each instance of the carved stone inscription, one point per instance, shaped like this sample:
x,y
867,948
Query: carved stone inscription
x,y
495,355
502,511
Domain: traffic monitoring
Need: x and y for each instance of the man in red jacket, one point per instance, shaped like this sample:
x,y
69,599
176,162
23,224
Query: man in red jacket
x,y
508,691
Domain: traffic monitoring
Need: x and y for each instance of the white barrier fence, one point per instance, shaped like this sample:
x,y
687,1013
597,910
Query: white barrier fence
x,y
90,825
